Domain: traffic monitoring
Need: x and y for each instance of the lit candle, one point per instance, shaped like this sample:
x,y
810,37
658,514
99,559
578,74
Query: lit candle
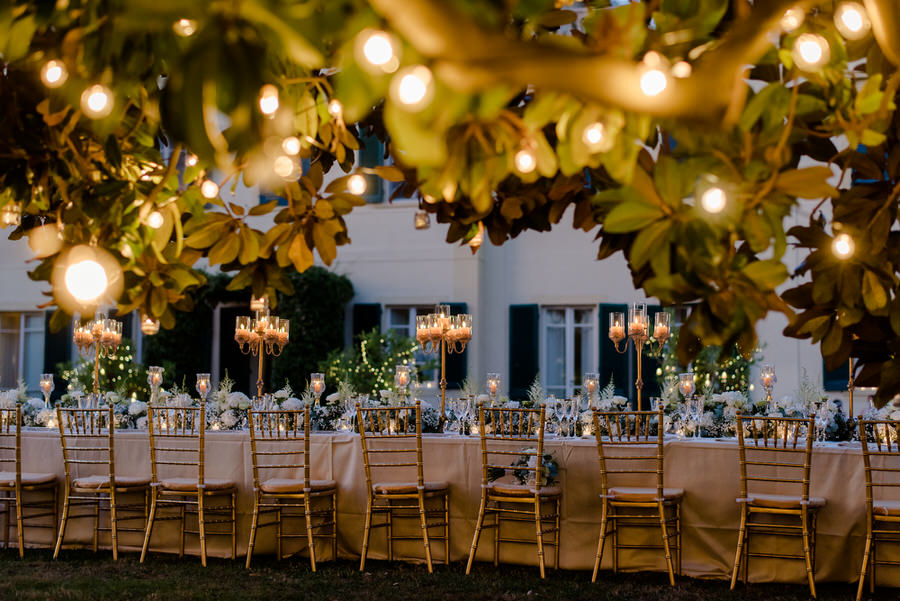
x,y
149,326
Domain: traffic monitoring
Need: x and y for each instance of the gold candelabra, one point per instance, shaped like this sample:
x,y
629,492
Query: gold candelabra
x,y
101,336
638,331
443,333
261,335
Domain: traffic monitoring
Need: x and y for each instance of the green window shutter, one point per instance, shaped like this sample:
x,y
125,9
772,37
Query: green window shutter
x,y
457,363
524,339
371,154
57,349
366,317
835,379
611,363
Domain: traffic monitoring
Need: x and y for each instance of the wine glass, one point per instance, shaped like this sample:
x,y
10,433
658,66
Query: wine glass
x,y
697,415
822,418
47,387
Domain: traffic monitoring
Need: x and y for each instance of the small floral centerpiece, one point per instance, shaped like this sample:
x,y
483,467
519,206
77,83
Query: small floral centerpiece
x,y
523,469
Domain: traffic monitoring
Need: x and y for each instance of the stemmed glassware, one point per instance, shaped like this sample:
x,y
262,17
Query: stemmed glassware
x,y
590,385
47,387
768,379
822,418
203,386
686,387
317,384
401,380
697,406
493,386
154,379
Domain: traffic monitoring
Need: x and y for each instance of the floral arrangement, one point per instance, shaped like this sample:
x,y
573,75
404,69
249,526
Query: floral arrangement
x,y
523,469
369,367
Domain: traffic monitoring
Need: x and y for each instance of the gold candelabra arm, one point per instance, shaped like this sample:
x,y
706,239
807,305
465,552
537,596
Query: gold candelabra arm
x,y
639,383
622,350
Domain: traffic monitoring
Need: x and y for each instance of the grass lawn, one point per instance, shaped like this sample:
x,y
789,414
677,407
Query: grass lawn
x,y
81,575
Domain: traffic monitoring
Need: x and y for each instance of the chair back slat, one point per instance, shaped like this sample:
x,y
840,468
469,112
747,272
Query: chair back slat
x,y
279,442
777,451
630,449
177,430
11,441
87,438
391,440
503,431
880,440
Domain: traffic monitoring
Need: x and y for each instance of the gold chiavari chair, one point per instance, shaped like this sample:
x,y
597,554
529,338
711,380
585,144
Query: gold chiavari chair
x,y
503,432
630,447
391,439
279,442
88,442
881,459
775,457
177,441
15,483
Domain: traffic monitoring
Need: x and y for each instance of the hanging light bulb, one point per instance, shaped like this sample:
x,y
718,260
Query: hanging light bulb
x,y
596,138
86,280
653,78
190,159
810,51
525,160
268,99
852,21
283,166
291,145
713,200
377,49
155,220
97,101
54,73
792,19
413,87
209,189
335,108
356,184
11,214
185,27
682,69
843,246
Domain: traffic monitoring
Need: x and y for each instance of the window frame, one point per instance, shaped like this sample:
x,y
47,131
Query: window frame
x,y
570,325
22,331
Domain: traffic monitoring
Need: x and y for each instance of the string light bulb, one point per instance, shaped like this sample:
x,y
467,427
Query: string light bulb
x,y
811,51
596,138
653,79
155,220
843,246
268,99
335,108
86,280
377,49
792,19
713,199
852,20
190,159
682,70
209,189
525,160
356,184
413,87
291,145
283,166
97,101
185,27
54,73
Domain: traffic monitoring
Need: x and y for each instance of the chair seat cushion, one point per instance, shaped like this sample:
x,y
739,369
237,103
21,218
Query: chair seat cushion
x,y
408,488
783,501
644,495
508,489
191,484
884,507
103,482
293,485
8,479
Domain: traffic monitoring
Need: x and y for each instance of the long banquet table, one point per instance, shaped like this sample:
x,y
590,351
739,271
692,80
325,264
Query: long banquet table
x,y
706,469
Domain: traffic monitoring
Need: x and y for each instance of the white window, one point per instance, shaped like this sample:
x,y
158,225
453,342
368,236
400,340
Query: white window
x,y
21,349
402,319
568,343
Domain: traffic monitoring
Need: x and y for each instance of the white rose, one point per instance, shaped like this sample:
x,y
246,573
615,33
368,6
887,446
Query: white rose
x,y
228,419
136,408
44,416
281,394
292,404
142,423
237,400
36,404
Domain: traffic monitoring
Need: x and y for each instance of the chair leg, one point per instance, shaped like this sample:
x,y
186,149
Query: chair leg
x,y
447,529
478,525
558,531
366,532
233,525
804,518
20,524
7,522
334,526
423,520
96,524
664,529
865,563
279,540
254,522
201,526
390,531
498,515
538,530
740,545
603,523
181,533
62,525
149,528
310,540
113,520
678,537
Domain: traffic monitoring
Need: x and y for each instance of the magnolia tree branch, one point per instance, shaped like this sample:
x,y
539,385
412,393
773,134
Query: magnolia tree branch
x,y
885,17
469,57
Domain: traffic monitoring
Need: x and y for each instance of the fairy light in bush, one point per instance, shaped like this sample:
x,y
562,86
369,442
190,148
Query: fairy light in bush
x,y
413,87
97,101
335,108
843,246
268,99
185,27
654,79
356,184
810,51
209,189
54,73
852,21
792,19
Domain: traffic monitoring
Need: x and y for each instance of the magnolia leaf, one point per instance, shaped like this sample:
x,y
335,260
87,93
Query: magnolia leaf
x,y
648,242
631,214
389,173
249,245
809,182
263,208
225,250
766,274
300,254
874,295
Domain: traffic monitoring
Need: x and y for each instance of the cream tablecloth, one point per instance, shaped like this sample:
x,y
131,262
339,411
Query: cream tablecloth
x,y
706,469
